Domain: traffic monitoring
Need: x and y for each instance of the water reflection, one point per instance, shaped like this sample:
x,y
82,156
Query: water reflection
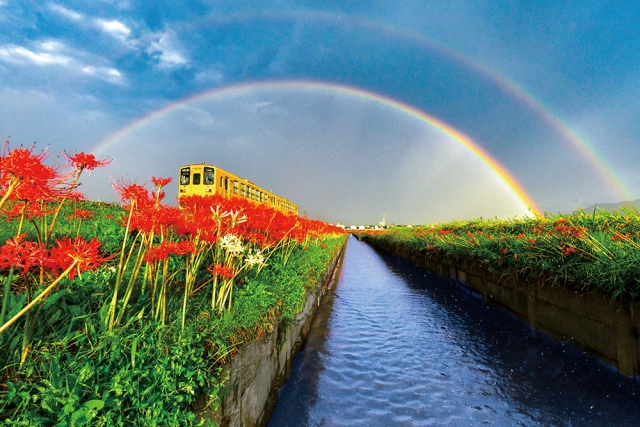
x,y
396,346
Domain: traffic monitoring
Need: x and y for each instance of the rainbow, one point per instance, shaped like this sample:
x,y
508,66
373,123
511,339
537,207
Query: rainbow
x,y
585,148
235,90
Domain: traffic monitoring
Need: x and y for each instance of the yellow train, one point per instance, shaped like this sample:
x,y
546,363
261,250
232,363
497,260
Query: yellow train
x,y
205,180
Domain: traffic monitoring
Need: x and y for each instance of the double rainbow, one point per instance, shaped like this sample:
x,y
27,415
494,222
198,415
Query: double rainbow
x,y
237,90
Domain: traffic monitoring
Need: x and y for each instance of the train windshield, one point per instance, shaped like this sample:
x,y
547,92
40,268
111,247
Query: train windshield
x,y
185,173
208,178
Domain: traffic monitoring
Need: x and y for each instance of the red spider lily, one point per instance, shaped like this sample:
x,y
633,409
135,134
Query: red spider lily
x,y
75,196
80,214
155,218
19,253
186,247
30,210
160,182
573,231
619,236
66,251
220,270
24,176
521,236
131,192
445,232
22,164
162,251
568,251
537,230
83,161
257,239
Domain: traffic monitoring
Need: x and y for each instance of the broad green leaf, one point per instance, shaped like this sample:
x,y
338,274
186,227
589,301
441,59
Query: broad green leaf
x,y
95,404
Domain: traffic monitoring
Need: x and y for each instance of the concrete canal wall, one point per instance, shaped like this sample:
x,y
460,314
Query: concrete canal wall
x,y
262,366
592,322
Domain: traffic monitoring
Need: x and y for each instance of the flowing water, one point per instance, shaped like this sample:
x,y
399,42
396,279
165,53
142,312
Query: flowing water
x,y
395,346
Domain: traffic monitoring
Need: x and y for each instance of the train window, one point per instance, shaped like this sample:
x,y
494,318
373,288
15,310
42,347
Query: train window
x,y
208,176
226,183
184,176
196,179
253,193
235,187
242,189
221,179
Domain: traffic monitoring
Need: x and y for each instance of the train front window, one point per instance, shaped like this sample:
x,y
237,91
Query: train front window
x,y
196,179
208,176
184,176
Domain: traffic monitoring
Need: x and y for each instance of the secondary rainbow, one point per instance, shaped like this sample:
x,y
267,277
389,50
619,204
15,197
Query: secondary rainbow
x,y
239,89
586,149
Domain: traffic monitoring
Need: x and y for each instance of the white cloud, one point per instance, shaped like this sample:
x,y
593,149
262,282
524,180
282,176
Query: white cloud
x,y
165,44
115,28
51,45
105,73
54,53
19,54
67,13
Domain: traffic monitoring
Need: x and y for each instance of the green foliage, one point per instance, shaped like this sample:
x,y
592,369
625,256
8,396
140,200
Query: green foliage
x,y
587,251
105,224
143,373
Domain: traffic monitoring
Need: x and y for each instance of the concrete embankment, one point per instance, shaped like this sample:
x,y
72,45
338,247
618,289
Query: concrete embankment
x,y
262,366
592,322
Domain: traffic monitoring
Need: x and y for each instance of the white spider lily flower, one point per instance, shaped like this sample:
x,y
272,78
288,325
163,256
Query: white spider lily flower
x,y
254,259
216,213
232,244
236,218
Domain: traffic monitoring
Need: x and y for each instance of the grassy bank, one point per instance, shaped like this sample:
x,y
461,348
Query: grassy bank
x,y
123,314
586,251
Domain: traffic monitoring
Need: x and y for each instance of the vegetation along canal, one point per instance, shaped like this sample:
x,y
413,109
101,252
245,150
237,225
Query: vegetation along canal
x,y
396,346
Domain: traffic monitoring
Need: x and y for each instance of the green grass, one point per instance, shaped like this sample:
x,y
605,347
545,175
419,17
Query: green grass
x,y
597,251
141,373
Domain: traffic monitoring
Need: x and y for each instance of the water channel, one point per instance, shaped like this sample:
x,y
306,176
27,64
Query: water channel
x,y
393,345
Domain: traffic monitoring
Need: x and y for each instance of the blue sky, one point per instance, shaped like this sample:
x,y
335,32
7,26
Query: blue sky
x,y
72,74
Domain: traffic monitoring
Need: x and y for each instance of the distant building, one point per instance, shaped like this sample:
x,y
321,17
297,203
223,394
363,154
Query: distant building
x,y
383,223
